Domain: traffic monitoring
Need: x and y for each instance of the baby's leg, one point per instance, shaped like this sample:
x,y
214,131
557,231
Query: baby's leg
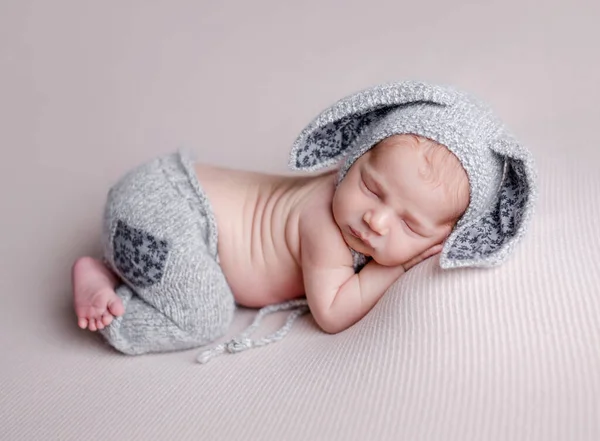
x,y
187,312
160,238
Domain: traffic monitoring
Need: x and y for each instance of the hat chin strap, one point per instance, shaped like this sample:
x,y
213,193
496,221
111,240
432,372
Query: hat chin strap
x,y
243,342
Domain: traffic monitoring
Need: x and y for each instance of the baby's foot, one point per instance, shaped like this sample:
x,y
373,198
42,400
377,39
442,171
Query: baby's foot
x,y
94,297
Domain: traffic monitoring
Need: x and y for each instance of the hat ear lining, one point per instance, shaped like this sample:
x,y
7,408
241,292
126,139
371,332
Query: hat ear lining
x,y
485,239
358,110
325,145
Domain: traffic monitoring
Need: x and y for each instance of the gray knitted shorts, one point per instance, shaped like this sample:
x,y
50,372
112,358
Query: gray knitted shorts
x,y
160,237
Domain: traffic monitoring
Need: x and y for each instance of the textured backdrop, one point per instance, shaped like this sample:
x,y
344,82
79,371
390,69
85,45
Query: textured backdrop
x,y
90,89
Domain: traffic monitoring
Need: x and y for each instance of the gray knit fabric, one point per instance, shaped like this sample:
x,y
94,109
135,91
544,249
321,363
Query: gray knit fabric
x,y
501,171
160,237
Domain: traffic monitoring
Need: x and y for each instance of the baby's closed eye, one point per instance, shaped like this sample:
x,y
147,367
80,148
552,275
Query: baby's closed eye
x,y
369,189
409,228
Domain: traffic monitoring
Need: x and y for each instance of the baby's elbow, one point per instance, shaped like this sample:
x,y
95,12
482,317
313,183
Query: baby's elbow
x,y
329,323
331,328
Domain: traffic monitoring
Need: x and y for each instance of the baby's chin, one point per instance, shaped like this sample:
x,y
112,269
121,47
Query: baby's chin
x,y
386,261
382,259
359,246
391,259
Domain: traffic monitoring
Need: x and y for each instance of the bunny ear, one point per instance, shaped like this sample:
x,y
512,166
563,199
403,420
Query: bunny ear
x,y
488,239
331,134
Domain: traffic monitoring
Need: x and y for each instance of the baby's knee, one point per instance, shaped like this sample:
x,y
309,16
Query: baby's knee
x,y
169,320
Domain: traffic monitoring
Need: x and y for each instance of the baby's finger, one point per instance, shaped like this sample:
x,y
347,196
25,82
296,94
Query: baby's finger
x,y
424,255
433,251
408,265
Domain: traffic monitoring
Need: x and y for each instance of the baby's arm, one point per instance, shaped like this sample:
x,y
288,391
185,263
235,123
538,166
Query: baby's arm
x,y
338,297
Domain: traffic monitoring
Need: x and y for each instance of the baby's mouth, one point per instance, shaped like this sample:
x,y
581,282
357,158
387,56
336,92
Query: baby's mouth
x,y
359,236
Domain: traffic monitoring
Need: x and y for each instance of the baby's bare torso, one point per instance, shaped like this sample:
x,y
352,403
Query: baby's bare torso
x,y
257,218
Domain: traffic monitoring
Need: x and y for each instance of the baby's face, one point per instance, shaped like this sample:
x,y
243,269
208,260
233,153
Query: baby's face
x,y
384,207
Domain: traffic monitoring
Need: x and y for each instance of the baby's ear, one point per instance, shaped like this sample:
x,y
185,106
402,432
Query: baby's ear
x,y
331,134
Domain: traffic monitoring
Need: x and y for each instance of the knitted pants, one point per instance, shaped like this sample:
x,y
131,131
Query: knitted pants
x,y
160,237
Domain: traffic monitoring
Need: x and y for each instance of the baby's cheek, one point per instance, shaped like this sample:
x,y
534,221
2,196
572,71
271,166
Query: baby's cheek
x,y
342,206
336,205
405,250
391,255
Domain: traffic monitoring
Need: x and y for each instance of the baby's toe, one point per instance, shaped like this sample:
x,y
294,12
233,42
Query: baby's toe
x,y
82,322
92,325
99,324
115,307
107,319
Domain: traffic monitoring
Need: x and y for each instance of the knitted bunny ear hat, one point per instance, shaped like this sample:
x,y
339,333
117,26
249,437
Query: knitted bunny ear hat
x,y
501,171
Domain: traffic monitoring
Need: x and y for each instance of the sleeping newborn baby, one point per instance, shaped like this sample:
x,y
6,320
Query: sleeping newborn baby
x,y
418,169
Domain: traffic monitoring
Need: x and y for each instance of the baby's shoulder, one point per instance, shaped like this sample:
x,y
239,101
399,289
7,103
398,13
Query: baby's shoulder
x,y
321,240
316,197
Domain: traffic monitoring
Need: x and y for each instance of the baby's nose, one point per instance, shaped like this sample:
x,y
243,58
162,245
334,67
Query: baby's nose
x,y
377,221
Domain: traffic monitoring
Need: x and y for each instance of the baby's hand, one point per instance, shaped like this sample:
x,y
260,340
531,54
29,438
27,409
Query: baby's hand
x,y
424,255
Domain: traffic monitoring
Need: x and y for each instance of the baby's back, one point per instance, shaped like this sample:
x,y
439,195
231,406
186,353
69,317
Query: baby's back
x,y
257,218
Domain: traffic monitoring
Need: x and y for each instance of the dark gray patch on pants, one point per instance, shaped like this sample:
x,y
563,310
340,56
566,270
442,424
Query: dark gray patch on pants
x,y
139,256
